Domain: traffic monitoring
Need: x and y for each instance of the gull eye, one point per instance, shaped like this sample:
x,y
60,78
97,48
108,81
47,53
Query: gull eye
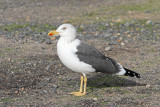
x,y
64,28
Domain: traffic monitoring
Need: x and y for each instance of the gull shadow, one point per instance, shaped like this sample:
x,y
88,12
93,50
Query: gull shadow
x,y
104,80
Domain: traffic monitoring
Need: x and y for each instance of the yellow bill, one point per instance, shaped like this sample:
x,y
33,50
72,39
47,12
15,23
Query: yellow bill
x,y
53,33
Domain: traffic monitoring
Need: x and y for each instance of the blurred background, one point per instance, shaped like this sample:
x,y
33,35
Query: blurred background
x,y
78,11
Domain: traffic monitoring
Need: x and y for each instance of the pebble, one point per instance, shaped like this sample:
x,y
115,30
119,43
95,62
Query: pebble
x,y
113,40
148,86
42,84
47,79
95,99
48,42
122,43
8,35
147,11
127,24
142,30
150,22
129,36
45,91
54,90
120,39
106,35
108,48
129,88
34,64
68,79
54,86
47,68
16,92
107,25
43,48
21,36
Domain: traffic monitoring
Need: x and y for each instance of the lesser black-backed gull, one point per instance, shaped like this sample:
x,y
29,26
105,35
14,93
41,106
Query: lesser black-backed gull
x,y
85,59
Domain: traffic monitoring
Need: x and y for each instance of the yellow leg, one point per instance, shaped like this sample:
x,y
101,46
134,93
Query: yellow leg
x,y
85,85
81,85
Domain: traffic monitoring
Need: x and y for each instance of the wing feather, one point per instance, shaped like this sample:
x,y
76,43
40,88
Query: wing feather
x,y
92,56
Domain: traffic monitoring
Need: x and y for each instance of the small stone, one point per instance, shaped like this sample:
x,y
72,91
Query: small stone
x,y
147,11
59,18
95,99
21,36
156,70
106,35
8,35
126,41
107,25
113,40
68,79
129,12
9,59
112,43
122,43
129,88
84,33
111,24
39,42
118,20
47,79
22,62
42,48
128,35
54,86
150,22
118,34
120,40
42,84
54,90
82,27
127,24
22,89
108,48
16,92
45,91
47,68
34,64
142,30
148,86
48,42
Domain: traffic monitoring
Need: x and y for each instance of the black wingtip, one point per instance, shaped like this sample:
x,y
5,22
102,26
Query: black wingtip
x,y
131,73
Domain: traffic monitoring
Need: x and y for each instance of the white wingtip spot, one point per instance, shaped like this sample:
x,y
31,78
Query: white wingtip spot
x,y
122,71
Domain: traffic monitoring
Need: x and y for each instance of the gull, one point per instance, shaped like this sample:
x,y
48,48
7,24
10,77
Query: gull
x,y
83,58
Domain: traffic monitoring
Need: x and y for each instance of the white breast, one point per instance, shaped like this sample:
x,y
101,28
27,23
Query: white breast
x,y
66,52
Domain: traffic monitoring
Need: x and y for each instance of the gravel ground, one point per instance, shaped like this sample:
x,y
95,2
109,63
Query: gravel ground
x,y
31,73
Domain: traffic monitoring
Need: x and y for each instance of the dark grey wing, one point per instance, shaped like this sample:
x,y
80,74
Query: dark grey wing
x,y
92,56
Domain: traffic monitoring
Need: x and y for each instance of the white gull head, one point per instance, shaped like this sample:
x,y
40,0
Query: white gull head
x,y
67,31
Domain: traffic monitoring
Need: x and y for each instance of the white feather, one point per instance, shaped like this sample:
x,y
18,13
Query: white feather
x,y
122,70
66,52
